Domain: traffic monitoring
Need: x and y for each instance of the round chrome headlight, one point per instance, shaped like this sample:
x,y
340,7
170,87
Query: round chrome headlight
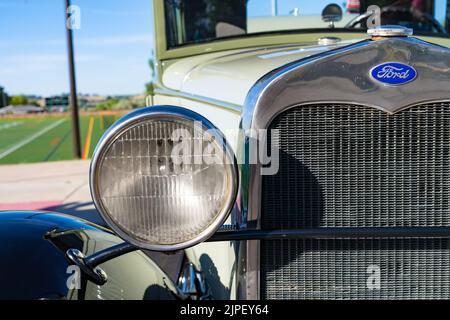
x,y
163,178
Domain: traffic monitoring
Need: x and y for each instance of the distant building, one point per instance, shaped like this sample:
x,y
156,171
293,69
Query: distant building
x,y
61,103
36,99
138,98
57,103
90,102
21,110
3,98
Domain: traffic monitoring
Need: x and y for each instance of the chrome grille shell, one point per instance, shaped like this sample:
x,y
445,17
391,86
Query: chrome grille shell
x,y
339,76
353,166
358,167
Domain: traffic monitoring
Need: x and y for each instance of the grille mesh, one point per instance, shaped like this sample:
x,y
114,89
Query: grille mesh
x,y
341,268
354,166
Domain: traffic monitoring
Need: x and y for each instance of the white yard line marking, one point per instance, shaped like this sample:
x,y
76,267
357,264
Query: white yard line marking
x,y
30,138
9,125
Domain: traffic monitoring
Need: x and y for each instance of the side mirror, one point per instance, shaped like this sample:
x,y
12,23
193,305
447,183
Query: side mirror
x,y
332,13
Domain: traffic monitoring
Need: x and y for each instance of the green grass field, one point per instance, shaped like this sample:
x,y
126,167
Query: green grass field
x,y
38,139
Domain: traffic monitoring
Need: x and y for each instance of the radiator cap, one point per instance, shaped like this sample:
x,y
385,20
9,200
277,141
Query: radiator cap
x,y
389,31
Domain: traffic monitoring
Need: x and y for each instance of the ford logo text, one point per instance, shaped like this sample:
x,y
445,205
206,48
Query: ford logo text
x,y
393,73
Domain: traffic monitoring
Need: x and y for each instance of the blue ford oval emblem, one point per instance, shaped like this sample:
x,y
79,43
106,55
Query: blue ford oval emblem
x,y
393,73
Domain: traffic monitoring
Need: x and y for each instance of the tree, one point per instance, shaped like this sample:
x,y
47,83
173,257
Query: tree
x,y
106,105
116,104
149,87
102,106
18,100
123,104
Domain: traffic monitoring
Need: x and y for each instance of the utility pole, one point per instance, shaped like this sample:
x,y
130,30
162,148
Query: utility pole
x,y
274,8
73,86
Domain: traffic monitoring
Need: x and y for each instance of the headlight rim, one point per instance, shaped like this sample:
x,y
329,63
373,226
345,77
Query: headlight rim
x,y
127,122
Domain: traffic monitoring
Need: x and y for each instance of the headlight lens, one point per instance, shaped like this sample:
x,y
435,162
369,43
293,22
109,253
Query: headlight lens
x,y
162,179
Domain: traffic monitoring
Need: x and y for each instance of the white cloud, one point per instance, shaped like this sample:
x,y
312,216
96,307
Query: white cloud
x,y
50,58
47,74
137,39
116,13
22,4
38,64
115,40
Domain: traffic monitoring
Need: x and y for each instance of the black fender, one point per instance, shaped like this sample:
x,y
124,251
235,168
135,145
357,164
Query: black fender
x,y
33,264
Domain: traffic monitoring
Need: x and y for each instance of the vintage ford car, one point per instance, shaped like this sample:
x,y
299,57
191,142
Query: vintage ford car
x,y
301,156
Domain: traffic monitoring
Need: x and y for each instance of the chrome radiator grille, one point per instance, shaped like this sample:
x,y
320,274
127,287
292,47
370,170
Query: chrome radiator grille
x,y
354,166
345,269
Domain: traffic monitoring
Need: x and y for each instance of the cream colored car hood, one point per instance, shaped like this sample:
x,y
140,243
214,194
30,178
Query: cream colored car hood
x,y
229,76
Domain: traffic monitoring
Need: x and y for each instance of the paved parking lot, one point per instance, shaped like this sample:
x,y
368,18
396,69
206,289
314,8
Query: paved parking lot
x,y
54,186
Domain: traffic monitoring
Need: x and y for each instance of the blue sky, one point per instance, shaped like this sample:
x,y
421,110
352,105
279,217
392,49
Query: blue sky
x,y
307,7
112,47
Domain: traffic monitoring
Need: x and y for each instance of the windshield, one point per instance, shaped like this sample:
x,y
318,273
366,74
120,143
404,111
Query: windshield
x,y
197,21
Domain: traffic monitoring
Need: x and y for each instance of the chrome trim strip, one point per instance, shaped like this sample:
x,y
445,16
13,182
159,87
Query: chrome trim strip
x,y
331,233
339,76
132,119
184,95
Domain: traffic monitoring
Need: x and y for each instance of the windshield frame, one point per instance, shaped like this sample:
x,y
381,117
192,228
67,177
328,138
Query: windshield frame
x,y
251,40
272,38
